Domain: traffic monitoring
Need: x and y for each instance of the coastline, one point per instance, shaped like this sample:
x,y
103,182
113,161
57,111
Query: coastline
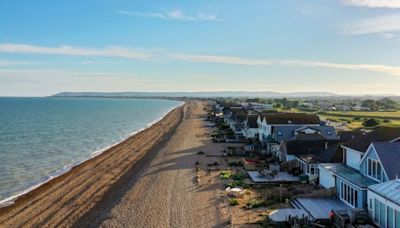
x,y
67,168
12,202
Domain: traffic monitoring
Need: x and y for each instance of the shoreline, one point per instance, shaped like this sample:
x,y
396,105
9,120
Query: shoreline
x,y
9,202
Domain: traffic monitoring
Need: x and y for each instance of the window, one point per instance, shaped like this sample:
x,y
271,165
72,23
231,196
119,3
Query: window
x,y
397,219
382,218
390,217
279,133
329,132
376,210
374,169
348,194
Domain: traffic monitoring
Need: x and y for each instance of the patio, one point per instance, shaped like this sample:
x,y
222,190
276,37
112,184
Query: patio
x,y
319,208
279,177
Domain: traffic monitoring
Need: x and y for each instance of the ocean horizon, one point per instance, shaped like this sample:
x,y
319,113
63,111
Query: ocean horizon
x,y
42,138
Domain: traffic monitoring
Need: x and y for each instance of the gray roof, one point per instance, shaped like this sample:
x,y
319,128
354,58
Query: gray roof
x,y
287,132
389,190
389,154
349,174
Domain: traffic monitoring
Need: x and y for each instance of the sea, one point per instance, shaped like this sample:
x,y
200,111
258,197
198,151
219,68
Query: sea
x,y
42,138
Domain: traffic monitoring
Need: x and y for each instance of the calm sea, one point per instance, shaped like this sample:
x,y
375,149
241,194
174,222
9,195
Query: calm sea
x,y
41,138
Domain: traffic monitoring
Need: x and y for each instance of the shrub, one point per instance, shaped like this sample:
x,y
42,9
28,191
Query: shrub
x,y
234,202
254,203
236,184
225,174
237,163
239,176
370,123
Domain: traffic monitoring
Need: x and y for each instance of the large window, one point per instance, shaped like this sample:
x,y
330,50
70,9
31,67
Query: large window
x,y
374,169
348,194
385,216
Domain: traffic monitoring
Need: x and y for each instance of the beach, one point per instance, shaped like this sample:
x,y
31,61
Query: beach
x,y
149,180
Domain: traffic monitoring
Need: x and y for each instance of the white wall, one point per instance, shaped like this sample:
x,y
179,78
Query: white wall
x,y
353,158
326,178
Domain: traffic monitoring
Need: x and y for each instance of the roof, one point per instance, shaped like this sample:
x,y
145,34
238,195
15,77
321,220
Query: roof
x,y
349,135
288,132
292,118
314,136
382,134
349,174
252,121
389,154
315,147
389,190
310,158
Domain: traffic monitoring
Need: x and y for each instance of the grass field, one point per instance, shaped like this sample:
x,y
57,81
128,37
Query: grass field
x,y
353,122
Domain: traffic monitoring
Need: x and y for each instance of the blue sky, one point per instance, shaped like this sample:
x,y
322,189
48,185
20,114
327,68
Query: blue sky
x,y
342,46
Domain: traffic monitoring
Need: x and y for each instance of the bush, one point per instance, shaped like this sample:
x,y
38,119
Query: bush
x,y
254,203
237,163
239,176
370,122
225,174
234,202
236,184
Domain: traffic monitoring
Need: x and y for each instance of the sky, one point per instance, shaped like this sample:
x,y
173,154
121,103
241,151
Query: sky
x,y
340,46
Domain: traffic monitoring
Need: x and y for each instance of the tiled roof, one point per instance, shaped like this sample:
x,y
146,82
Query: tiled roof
x,y
292,118
389,154
382,134
252,121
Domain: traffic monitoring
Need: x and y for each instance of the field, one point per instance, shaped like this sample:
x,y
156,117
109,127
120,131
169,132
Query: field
x,y
353,119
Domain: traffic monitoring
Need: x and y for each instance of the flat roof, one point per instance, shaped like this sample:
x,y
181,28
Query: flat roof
x,y
389,190
349,174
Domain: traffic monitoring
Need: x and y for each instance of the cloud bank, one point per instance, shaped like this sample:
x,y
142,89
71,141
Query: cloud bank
x,y
177,15
395,4
167,56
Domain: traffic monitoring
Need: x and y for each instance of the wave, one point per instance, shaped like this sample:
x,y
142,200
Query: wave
x,y
66,168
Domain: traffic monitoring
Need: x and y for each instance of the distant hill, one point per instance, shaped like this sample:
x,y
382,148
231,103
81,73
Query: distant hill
x,y
195,94
214,94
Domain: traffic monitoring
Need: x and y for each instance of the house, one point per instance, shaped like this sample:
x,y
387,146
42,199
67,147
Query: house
x,y
282,133
267,122
384,203
376,166
250,127
354,149
307,152
234,117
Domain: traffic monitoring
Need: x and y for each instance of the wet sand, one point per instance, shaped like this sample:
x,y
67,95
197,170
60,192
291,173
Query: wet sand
x,y
147,181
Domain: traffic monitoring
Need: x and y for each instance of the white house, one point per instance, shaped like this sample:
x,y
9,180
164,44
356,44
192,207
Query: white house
x,y
250,127
268,121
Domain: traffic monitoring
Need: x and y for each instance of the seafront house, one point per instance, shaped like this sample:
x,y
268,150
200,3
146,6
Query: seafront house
x,y
379,164
307,151
250,127
354,150
266,124
285,133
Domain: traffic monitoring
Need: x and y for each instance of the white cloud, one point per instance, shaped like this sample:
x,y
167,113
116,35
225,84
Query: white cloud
x,y
382,24
177,14
6,63
74,51
232,60
374,3
286,63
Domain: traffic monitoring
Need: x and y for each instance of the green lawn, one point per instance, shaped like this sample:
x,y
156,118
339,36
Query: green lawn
x,y
341,116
